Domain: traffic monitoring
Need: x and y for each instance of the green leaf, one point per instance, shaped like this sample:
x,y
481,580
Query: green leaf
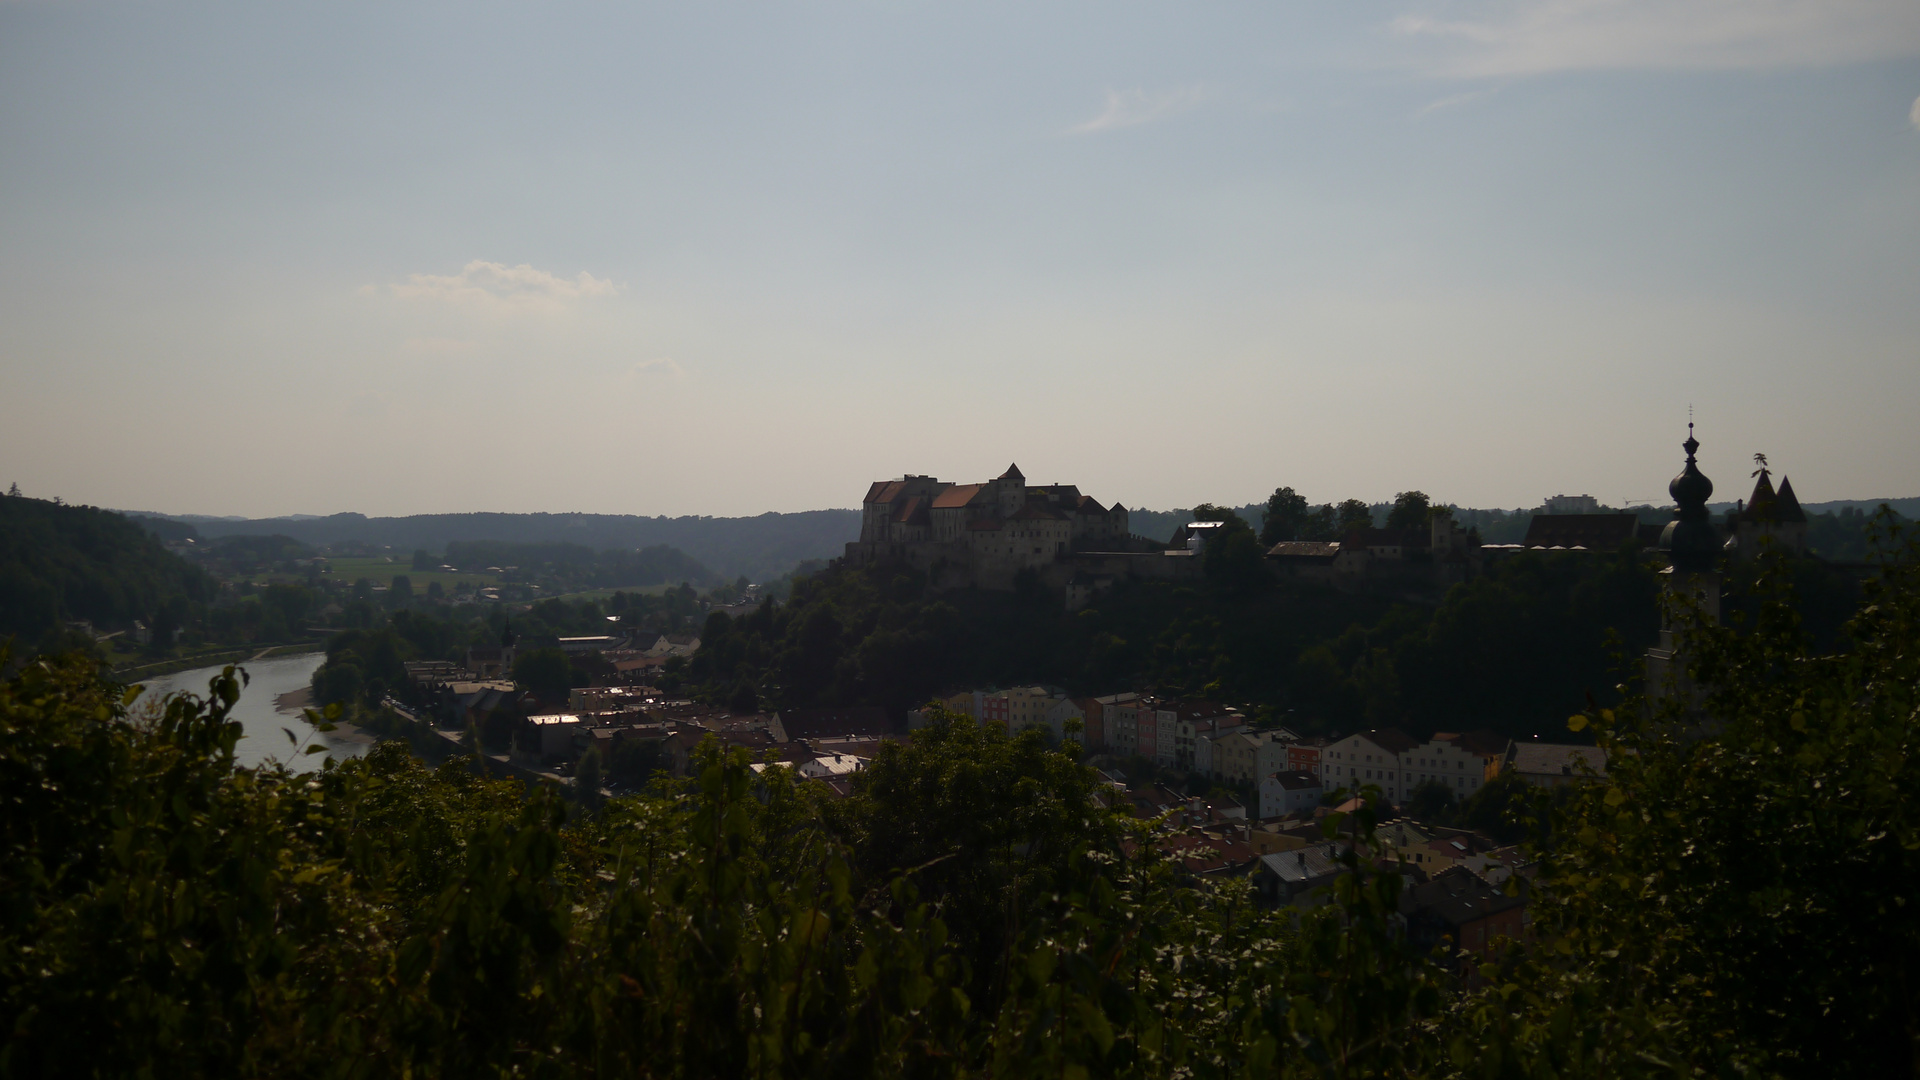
x,y
1577,722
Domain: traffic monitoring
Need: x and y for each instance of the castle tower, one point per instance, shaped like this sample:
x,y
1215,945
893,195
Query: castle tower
x,y
1769,518
1011,487
1691,581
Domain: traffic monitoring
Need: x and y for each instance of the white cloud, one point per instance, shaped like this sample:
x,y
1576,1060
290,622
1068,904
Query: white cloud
x,y
660,367
1127,108
1913,114
498,286
1449,102
1525,37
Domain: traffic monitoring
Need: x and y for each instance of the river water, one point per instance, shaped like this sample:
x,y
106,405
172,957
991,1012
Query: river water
x,y
262,720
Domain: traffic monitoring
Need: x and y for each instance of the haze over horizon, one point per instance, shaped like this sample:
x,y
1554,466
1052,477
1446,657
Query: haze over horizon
x,y
416,258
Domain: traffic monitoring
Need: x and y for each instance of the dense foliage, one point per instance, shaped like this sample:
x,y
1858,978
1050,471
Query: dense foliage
x,y
366,663
1734,899
1518,647
576,566
761,547
61,562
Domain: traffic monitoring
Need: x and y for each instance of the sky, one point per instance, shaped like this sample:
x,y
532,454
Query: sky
x,y
722,258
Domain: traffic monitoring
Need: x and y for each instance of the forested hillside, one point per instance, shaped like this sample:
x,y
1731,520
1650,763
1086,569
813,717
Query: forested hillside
x,y
761,548
582,567
1731,904
60,563
1516,649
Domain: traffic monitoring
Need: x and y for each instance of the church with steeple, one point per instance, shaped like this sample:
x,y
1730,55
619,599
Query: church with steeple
x,y
1691,581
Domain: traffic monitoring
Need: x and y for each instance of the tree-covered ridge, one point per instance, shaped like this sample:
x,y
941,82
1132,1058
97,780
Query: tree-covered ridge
x,y
60,562
581,567
761,547
1518,647
1734,899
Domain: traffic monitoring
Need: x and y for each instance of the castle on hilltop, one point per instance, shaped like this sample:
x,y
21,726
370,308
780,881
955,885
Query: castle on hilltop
x,y
985,534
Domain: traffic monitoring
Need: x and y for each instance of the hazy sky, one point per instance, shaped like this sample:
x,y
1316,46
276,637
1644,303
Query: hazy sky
x,y
723,258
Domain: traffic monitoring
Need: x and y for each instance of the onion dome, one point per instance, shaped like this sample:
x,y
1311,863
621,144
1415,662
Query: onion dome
x,y
1689,539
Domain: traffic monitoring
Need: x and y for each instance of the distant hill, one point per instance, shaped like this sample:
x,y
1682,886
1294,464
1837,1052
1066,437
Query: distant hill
x,y
61,563
762,548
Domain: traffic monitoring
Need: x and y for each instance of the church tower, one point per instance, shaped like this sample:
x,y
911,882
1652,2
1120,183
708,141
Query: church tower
x,y
1692,576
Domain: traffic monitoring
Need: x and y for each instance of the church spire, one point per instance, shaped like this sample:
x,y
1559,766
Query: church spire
x,y
1689,539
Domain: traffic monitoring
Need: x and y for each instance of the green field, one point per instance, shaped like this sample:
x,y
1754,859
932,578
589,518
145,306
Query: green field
x,y
381,570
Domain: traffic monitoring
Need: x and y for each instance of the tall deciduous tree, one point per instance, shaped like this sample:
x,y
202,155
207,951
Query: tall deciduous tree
x,y
1287,517
1409,510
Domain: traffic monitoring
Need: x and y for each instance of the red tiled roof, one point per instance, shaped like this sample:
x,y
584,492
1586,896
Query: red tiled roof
x,y
1035,510
957,495
884,491
912,512
1090,505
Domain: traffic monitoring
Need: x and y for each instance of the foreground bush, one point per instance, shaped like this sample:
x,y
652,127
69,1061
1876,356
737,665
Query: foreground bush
x,y
1731,905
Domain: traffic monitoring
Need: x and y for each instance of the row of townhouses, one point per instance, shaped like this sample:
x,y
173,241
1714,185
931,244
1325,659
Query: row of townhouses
x,y
1290,772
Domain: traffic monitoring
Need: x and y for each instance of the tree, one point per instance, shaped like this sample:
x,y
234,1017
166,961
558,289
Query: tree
x,y
424,560
1748,866
1352,514
1322,525
744,700
1287,517
1409,510
546,672
400,591
586,778
1210,512
1432,801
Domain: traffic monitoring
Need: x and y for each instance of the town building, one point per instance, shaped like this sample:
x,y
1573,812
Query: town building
x,y
1284,794
1554,764
1457,912
1463,762
1371,758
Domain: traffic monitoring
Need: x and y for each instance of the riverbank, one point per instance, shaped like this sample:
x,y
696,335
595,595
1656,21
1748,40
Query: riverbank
x,y
270,707
215,658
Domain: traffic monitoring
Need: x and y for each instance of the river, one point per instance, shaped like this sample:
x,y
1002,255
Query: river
x,y
263,721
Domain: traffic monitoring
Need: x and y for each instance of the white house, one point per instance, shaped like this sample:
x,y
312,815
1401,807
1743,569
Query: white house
x,y
1285,793
1371,758
1463,762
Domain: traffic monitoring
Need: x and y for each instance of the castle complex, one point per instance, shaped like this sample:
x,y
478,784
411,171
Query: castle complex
x,y
985,534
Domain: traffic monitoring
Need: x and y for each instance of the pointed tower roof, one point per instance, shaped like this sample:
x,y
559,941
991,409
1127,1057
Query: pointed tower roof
x,y
1012,473
1787,505
1760,505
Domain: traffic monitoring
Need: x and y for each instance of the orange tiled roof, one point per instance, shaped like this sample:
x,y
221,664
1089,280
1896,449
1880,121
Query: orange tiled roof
x,y
1035,510
956,496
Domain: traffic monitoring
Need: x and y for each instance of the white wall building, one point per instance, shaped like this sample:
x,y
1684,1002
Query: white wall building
x,y
1462,762
1371,758
1285,793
